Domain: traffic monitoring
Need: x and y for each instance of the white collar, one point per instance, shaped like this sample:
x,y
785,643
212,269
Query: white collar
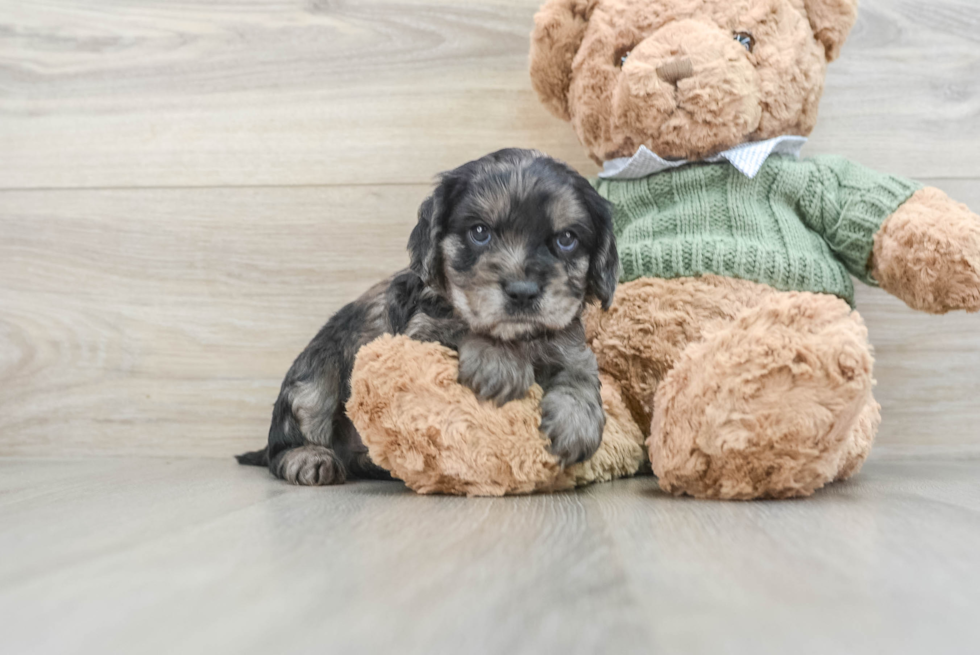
x,y
747,158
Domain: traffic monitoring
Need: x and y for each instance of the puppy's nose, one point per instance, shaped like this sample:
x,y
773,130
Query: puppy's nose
x,y
676,70
522,291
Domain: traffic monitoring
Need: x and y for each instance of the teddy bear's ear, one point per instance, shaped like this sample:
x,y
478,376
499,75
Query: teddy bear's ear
x,y
832,21
559,27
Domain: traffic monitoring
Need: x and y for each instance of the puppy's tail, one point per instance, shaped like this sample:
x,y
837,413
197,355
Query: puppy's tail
x,y
256,458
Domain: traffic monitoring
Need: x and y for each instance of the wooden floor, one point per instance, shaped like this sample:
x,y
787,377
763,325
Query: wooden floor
x,y
201,556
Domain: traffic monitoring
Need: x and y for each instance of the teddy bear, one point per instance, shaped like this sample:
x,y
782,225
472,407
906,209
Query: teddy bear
x,y
733,348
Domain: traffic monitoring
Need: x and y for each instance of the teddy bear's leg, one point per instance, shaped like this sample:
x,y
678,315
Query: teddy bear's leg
x,y
860,440
774,404
652,321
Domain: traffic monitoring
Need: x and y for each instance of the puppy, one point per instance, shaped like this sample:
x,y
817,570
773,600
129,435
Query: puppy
x,y
506,252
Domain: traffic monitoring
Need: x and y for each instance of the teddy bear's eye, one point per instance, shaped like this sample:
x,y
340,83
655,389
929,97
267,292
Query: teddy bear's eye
x,y
622,55
746,39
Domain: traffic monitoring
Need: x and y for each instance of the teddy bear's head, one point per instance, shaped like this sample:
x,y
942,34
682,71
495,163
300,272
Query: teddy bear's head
x,y
685,78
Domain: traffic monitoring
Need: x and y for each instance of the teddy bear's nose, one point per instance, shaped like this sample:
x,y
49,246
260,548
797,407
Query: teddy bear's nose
x,y
676,70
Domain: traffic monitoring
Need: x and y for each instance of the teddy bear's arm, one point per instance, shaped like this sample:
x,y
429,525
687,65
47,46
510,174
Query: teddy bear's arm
x,y
915,242
846,204
928,254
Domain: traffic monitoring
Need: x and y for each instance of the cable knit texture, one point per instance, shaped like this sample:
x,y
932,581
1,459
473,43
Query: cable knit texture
x,y
797,226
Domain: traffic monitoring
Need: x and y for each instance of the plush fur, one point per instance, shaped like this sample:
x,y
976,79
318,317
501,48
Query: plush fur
x,y
766,406
595,63
741,391
435,434
928,254
749,392
795,366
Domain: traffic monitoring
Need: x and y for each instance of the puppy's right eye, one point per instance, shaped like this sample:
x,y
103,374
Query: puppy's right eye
x,y
479,235
567,241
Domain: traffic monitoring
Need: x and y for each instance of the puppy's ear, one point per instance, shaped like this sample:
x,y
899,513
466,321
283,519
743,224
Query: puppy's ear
x,y
423,244
604,264
559,27
832,21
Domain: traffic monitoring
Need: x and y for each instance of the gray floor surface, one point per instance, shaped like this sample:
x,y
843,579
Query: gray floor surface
x,y
195,556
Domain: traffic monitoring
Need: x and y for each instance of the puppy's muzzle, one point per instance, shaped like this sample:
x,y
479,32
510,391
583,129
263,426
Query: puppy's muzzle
x,y
522,294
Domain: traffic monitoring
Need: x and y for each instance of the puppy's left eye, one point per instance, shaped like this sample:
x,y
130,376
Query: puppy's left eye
x,y
480,235
566,241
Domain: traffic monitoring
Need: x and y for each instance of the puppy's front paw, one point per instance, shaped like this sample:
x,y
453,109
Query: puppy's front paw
x,y
574,425
494,374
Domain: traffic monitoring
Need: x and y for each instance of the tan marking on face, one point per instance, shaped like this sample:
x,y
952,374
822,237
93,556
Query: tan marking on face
x,y
477,294
558,304
493,203
565,211
495,199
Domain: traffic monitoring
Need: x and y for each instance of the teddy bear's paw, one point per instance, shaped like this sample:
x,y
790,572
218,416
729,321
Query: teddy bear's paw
x,y
494,372
573,424
928,254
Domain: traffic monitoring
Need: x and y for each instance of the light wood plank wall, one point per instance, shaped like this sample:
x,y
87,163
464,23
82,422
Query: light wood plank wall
x,y
188,190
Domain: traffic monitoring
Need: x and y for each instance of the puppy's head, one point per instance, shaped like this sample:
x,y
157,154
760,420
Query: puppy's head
x,y
517,242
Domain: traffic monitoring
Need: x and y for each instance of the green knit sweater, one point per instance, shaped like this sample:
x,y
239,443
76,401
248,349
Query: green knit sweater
x,y
799,225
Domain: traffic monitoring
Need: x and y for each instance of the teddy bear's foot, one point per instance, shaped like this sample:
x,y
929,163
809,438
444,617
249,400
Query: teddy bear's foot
x,y
774,404
860,439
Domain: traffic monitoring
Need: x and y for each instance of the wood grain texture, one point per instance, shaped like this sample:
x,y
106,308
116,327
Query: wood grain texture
x,y
162,321
288,92
189,189
196,556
